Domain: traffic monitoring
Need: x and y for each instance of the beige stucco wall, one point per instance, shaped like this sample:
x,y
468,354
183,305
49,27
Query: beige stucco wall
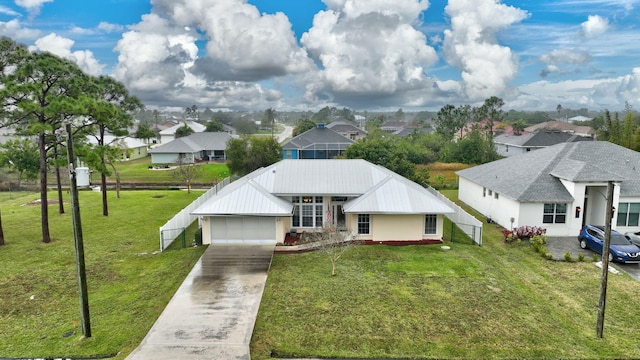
x,y
386,227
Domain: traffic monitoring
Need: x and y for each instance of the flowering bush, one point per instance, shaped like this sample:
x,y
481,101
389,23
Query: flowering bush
x,y
523,232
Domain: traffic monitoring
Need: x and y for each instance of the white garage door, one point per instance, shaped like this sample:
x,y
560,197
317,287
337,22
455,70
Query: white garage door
x,y
243,230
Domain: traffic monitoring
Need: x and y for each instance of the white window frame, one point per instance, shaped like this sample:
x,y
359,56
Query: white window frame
x,y
430,219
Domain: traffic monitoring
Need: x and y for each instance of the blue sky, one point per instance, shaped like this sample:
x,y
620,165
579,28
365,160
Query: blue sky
x,y
361,54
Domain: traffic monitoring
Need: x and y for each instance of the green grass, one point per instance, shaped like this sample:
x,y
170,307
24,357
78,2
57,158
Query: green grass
x,y
495,301
128,284
137,171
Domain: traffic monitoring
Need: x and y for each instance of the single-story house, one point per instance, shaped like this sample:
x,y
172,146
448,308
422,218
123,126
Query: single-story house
x,y
374,203
169,134
130,148
317,143
560,188
202,146
347,130
555,125
509,144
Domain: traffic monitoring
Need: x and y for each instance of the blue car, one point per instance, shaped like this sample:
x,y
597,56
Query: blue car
x,y
620,249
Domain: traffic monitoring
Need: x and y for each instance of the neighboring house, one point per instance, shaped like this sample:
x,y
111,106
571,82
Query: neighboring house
x,y
563,126
509,145
200,146
130,148
410,130
169,134
560,188
317,143
499,128
347,130
393,126
299,196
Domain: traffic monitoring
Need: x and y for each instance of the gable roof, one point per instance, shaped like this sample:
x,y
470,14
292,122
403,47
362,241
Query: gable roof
x,y
536,176
194,143
561,126
375,189
315,136
129,142
196,127
539,139
245,197
344,127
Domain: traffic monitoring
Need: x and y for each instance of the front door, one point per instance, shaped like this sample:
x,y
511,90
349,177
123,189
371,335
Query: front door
x,y
338,218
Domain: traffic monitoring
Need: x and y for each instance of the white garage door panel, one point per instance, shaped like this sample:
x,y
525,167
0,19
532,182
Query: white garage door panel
x,y
243,230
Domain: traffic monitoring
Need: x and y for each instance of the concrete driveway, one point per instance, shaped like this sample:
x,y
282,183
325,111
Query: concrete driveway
x,y
212,314
558,246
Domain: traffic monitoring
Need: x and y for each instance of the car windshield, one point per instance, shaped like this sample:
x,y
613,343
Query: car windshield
x,y
619,239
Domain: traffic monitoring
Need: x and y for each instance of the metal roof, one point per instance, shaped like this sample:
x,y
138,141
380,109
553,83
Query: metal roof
x,y
197,127
376,189
397,195
245,197
193,143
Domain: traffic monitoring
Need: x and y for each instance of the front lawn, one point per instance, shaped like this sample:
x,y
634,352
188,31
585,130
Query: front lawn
x,y
129,283
495,301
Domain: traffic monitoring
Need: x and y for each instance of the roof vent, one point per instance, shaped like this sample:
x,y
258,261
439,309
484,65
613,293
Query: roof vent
x,y
320,125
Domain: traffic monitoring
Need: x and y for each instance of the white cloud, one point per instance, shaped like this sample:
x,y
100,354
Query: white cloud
x,y
595,94
159,57
108,27
369,48
7,11
153,55
594,26
82,31
472,47
16,31
61,47
33,6
559,57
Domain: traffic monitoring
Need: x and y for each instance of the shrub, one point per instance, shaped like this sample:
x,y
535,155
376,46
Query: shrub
x,y
580,257
548,256
567,257
594,257
525,232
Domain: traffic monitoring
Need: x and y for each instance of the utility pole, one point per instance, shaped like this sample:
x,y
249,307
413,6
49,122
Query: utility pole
x,y
77,237
605,260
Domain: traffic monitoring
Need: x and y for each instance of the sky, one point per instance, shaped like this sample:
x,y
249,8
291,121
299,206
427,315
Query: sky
x,y
376,55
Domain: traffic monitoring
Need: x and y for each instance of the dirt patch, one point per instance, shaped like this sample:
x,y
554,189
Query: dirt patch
x,y
39,201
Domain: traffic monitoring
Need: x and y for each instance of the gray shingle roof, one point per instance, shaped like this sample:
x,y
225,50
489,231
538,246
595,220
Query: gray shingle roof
x,y
316,136
194,143
535,176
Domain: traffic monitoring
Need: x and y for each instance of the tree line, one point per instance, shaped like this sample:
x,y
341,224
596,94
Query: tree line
x,y
40,94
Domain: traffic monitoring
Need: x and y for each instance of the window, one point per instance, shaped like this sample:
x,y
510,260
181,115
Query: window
x,y
496,195
554,214
490,192
430,224
364,224
484,192
307,211
628,214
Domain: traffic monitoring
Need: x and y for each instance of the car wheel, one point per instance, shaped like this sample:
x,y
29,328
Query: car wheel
x,y
583,243
610,257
